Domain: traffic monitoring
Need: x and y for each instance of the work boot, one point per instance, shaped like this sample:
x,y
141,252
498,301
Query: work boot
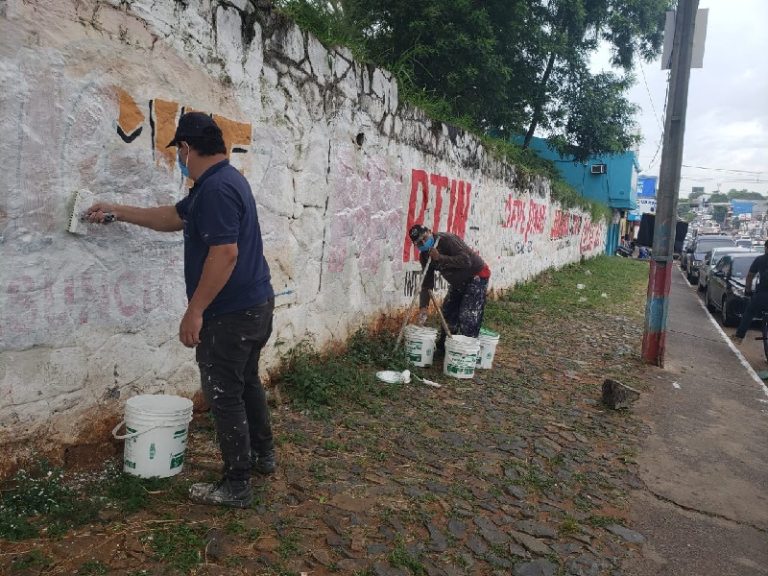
x,y
225,492
264,462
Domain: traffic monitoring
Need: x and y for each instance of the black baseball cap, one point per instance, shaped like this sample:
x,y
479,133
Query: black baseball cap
x,y
195,125
416,232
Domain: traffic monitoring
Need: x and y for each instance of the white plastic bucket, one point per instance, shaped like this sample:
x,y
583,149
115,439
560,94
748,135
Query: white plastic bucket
x,y
420,344
155,436
488,341
460,356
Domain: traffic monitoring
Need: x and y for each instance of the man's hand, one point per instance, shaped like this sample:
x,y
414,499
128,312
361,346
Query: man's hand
x,y
97,213
434,254
189,329
748,293
422,319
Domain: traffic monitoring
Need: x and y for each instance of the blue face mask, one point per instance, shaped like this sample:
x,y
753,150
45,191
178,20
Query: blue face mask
x,y
183,166
427,244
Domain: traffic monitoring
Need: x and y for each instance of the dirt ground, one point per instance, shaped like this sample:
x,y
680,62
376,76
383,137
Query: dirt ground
x,y
520,470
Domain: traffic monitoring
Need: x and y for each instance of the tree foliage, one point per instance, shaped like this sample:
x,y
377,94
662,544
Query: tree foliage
x,y
744,194
506,67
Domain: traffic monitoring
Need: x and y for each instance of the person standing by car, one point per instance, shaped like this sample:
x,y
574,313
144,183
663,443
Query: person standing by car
x,y
230,300
758,301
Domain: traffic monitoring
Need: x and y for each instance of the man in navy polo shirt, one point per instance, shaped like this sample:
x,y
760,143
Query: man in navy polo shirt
x,y
230,300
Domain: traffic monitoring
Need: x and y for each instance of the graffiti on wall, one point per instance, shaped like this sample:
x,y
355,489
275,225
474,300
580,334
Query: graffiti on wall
x,y
592,236
525,220
365,214
163,117
42,304
413,282
565,224
524,217
427,195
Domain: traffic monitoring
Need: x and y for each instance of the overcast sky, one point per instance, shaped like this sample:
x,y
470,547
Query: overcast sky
x,y
727,121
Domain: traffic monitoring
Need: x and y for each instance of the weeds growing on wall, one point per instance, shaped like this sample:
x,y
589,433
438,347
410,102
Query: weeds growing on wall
x,y
332,31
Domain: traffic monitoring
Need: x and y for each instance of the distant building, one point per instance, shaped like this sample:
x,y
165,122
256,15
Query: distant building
x,y
610,179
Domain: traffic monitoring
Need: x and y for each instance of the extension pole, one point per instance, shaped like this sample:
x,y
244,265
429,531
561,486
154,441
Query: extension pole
x,y
660,276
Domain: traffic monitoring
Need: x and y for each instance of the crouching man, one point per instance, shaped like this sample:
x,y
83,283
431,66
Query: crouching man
x,y
467,276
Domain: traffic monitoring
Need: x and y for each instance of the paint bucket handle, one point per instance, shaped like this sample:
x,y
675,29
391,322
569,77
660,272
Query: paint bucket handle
x,y
117,436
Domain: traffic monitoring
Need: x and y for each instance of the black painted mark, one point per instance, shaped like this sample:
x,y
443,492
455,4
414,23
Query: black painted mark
x,y
128,138
238,150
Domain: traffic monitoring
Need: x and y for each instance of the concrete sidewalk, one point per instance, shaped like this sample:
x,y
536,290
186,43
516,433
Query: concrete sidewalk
x,y
704,509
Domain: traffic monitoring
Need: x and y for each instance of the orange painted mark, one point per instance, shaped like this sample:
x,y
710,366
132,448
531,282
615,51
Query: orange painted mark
x,y
130,118
164,114
236,134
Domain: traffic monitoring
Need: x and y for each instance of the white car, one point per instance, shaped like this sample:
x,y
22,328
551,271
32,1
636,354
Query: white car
x,y
712,258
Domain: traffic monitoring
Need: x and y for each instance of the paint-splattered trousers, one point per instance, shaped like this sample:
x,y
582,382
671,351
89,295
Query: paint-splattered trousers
x,y
228,358
463,307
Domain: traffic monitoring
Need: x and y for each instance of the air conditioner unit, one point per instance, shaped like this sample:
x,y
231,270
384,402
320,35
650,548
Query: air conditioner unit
x,y
599,168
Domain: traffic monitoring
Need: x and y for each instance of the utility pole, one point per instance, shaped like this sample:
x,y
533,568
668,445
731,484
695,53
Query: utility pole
x,y
662,261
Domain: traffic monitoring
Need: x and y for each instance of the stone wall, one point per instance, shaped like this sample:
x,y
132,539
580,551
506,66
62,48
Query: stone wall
x,y
340,168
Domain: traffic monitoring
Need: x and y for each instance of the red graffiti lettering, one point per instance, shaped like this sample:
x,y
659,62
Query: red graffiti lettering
x,y
458,211
423,188
439,182
560,227
591,237
129,278
515,214
419,181
537,217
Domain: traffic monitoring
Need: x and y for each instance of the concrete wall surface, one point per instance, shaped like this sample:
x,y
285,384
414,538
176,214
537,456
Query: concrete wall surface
x,y
91,93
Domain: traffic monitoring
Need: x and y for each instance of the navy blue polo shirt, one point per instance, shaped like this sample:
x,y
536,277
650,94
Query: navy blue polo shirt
x,y
220,209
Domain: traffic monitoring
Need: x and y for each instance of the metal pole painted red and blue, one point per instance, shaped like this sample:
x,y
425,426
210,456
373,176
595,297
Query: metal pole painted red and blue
x,y
662,259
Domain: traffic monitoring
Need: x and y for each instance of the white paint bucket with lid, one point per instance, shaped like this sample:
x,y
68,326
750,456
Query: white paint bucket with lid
x,y
420,344
156,427
488,340
460,356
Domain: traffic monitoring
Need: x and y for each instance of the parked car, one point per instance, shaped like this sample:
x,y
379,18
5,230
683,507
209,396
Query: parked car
x,y
758,244
744,242
711,259
725,289
694,257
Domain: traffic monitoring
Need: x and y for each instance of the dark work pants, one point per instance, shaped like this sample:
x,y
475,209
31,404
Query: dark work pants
x,y
228,357
463,308
756,305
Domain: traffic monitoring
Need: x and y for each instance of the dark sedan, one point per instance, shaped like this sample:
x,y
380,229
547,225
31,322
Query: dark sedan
x,y
696,252
725,289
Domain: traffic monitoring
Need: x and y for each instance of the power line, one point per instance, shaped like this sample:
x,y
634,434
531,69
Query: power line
x,y
664,118
723,169
650,98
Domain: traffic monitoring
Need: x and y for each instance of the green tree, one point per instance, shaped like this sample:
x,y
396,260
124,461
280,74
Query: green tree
x,y
717,198
719,214
502,65
594,118
744,194
573,30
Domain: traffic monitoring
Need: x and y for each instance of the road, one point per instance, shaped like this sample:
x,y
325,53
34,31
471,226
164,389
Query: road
x,y
703,510
751,348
